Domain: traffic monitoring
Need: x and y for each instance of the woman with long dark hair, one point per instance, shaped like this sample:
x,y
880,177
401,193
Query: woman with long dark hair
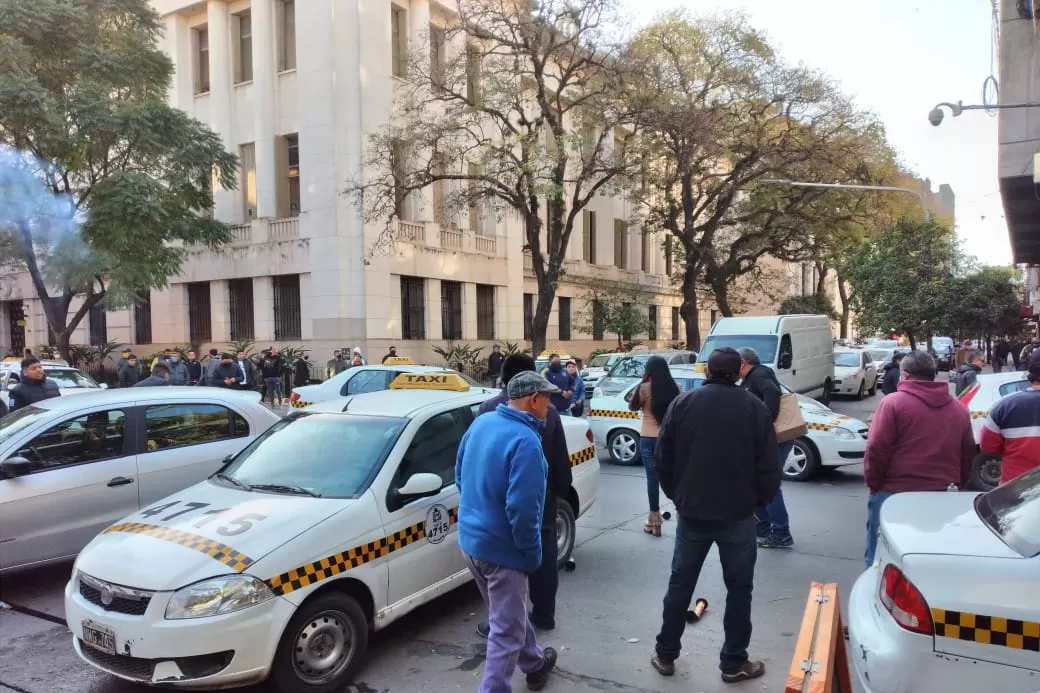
x,y
652,398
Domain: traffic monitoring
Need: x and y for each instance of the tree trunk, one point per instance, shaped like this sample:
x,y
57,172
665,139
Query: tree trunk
x,y
720,288
688,309
821,277
846,307
542,309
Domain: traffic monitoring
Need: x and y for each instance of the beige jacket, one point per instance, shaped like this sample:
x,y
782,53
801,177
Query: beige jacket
x,y
642,401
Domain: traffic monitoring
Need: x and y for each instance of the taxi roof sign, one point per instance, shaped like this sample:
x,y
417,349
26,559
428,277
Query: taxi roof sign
x,y
399,361
451,382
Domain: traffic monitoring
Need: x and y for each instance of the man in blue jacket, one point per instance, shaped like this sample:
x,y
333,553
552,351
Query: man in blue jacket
x,y
501,475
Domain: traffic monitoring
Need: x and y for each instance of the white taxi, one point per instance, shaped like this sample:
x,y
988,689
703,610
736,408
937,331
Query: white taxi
x,y
951,604
338,520
70,381
361,379
855,373
833,439
979,399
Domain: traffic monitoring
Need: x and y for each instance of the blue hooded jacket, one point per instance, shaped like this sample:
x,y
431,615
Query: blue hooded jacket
x,y
501,475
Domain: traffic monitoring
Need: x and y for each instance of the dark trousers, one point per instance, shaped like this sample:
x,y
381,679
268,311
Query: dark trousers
x,y
737,553
773,518
544,582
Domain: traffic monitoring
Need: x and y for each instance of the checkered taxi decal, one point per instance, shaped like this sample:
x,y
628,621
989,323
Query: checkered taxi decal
x,y
583,455
987,630
614,414
214,549
300,404
827,426
979,414
308,574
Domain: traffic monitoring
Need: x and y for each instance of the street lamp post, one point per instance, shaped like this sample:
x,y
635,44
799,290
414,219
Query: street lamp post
x,y
936,115
854,186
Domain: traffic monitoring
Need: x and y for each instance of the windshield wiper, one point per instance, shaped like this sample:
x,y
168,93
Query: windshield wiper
x,y
282,488
232,480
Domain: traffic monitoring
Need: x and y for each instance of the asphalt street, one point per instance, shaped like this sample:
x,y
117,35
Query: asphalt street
x,y
607,617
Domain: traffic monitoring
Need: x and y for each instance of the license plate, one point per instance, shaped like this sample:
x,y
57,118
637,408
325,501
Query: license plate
x,y
99,637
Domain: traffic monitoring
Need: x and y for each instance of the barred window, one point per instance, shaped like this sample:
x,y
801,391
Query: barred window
x,y
598,318
652,331
564,311
98,325
413,308
200,320
528,315
143,319
485,311
451,310
240,300
675,324
288,323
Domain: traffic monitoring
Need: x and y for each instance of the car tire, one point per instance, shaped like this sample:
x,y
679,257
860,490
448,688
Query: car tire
x,y
623,446
862,391
985,472
873,388
566,532
825,398
803,463
330,620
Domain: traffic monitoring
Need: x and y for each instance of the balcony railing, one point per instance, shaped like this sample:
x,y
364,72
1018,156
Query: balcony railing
x,y
241,233
451,238
528,261
284,229
411,231
486,244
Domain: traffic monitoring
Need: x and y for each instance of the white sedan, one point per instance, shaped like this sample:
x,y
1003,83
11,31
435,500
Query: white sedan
x,y
833,439
361,379
950,604
69,380
988,389
855,372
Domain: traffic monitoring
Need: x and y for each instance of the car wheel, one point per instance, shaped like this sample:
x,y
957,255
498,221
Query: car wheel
x,y
873,388
623,445
862,391
825,398
566,531
322,646
802,463
985,472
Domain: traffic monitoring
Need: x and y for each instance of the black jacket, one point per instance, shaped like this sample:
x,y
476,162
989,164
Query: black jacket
x,y
495,362
717,456
967,375
554,447
762,383
301,372
152,381
890,380
217,375
129,375
194,371
271,367
27,392
3,409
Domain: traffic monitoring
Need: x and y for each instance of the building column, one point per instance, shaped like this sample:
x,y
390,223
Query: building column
x,y
434,324
263,310
181,93
220,311
264,48
226,202
306,308
469,311
421,202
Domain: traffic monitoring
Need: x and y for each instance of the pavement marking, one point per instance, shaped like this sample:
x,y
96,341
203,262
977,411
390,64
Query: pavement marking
x,y
214,549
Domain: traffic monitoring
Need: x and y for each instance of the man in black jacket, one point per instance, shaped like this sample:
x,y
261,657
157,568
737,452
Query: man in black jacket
x,y
890,380
544,582
33,387
717,461
772,524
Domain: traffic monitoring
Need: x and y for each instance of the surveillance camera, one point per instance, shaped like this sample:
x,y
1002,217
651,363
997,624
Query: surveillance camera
x,y
935,117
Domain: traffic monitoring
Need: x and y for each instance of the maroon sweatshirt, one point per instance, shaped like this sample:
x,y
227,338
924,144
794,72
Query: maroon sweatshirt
x,y
920,440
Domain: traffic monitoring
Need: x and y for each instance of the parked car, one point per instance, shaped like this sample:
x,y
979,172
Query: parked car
x,y
855,373
359,380
979,399
73,465
70,381
598,367
630,369
944,352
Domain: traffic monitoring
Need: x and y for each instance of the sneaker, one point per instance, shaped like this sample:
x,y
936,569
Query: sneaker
x,y
484,629
747,671
664,667
774,541
536,680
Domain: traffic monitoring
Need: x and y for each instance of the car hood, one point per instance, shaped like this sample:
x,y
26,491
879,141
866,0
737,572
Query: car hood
x,y
939,523
174,543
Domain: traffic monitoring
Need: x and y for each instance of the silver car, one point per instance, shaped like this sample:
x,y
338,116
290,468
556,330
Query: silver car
x,y
630,369
71,466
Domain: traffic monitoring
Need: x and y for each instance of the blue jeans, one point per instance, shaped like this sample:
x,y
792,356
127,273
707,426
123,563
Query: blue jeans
x,y
653,486
773,518
873,524
737,553
274,388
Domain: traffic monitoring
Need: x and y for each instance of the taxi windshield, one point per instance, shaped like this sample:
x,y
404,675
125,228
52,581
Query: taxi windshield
x,y
327,455
1012,511
845,358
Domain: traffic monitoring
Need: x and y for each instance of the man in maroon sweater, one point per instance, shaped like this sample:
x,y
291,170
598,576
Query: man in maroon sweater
x,y
920,440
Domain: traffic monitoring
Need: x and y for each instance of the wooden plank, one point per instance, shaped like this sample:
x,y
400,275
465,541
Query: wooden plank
x,y
804,645
820,663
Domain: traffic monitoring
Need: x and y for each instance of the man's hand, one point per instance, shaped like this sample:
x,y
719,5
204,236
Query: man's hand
x,y
568,394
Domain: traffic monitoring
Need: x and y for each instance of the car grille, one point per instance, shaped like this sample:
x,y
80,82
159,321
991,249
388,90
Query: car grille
x,y
134,605
135,668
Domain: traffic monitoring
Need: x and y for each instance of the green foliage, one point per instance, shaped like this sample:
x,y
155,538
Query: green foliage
x,y
246,345
811,304
510,348
102,174
616,308
460,357
985,302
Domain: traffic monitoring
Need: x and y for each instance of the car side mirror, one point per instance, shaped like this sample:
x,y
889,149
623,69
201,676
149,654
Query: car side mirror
x,y
630,395
224,463
15,466
420,485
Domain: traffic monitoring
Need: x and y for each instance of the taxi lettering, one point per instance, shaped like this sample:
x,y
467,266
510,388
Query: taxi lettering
x,y
438,523
232,527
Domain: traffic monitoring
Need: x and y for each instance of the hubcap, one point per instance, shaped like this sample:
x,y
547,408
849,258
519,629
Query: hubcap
x,y
563,533
323,649
796,461
990,471
624,447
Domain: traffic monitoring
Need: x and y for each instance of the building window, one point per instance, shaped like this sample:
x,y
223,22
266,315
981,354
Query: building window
x,y
485,311
473,68
287,44
646,250
564,311
247,182
620,243
438,54
240,301
668,255
413,308
288,321
652,319
398,41
244,56
714,317
98,325
200,322
143,319
597,319
201,60
528,315
588,252
451,310
626,334
675,324
292,144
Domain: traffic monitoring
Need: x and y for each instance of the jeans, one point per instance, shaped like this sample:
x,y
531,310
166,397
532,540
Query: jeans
x,y
544,582
273,388
737,553
773,518
873,524
511,641
653,486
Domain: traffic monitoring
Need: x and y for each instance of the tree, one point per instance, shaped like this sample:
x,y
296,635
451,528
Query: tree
x,y
616,308
984,302
810,304
100,180
526,122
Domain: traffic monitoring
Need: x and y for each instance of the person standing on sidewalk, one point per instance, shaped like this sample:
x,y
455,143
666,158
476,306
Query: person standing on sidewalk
x,y
1000,354
716,458
920,440
500,472
968,374
890,380
652,398
578,400
544,582
1012,428
194,367
271,369
495,361
558,376
772,523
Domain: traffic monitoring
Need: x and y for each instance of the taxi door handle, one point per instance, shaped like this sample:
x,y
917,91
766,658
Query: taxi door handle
x,y
120,481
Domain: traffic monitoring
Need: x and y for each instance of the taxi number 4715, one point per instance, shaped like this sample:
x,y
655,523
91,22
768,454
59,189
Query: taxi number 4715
x,y
237,525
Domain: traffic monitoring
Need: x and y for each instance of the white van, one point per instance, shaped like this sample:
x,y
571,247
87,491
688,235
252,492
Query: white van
x,y
798,348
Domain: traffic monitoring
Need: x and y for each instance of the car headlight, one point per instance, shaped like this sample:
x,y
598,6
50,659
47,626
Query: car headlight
x,y
843,433
850,377
216,596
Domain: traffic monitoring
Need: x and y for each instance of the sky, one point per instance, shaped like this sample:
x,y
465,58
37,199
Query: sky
x,y
899,58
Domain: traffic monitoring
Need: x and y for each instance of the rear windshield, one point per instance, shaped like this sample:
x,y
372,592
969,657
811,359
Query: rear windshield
x,y
763,344
844,358
601,361
1012,511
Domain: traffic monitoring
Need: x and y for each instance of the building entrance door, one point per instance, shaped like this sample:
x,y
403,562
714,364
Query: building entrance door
x,y
16,326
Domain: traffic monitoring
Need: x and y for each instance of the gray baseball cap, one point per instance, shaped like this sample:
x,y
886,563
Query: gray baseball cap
x,y
529,383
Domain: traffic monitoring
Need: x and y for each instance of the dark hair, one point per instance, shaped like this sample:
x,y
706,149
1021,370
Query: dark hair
x,y
919,365
898,356
28,361
516,363
160,369
553,356
662,386
724,364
